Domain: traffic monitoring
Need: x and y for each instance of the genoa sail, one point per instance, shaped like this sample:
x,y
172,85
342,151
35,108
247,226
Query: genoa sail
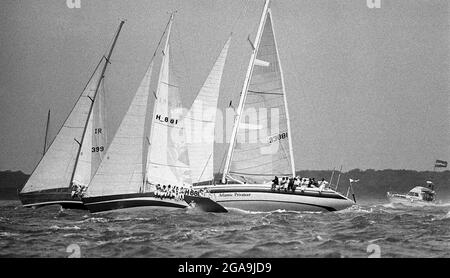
x,y
200,122
56,168
95,139
121,170
99,130
262,147
167,158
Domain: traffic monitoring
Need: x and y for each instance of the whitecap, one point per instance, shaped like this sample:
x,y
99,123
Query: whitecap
x,y
8,234
56,227
375,240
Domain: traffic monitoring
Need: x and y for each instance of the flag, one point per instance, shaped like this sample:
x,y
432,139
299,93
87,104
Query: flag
x,y
351,180
440,164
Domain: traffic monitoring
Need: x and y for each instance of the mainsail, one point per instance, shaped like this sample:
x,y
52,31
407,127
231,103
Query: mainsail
x,y
121,171
56,168
167,158
261,145
200,122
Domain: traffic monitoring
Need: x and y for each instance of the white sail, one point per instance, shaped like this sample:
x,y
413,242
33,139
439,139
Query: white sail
x,y
121,170
167,161
262,148
94,143
83,171
99,130
201,120
56,168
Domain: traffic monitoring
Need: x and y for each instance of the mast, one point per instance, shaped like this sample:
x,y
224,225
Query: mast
x,y
149,139
46,133
244,90
339,177
102,76
291,150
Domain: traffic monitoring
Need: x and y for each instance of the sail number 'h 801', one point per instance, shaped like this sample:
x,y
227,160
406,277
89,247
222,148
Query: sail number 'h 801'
x,y
167,120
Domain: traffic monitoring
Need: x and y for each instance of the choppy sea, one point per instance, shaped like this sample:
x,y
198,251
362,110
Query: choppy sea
x,y
370,229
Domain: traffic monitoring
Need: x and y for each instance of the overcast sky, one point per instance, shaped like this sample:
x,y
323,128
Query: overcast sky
x,y
367,88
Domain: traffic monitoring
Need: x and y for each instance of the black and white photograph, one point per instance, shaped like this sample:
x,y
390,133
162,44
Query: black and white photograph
x,y
247,129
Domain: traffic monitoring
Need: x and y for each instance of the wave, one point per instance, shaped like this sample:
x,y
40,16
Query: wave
x,y
95,220
440,204
389,205
443,217
188,233
56,227
8,234
356,208
278,211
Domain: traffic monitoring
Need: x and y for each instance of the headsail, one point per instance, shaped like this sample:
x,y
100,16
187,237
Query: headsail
x,y
261,147
121,169
94,142
201,120
56,167
99,130
167,157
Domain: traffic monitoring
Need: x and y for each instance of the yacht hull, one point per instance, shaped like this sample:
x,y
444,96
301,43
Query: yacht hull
x,y
58,196
261,198
142,200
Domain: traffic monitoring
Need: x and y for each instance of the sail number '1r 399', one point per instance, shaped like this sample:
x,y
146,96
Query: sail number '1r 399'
x,y
98,149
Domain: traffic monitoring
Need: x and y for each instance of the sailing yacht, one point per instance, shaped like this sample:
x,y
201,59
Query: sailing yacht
x,y
66,168
149,170
250,167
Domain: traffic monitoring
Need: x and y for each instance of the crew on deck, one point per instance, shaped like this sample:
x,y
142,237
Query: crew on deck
x,y
323,185
78,190
177,192
291,184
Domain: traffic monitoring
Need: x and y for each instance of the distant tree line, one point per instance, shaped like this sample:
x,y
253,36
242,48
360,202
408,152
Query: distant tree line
x,y
373,184
10,183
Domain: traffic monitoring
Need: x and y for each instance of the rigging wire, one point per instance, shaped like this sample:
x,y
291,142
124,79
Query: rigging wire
x,y
239,16
235,88
180,73
104,107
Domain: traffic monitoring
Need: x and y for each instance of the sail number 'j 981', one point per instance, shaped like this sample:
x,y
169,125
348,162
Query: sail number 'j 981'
x,y
278,137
